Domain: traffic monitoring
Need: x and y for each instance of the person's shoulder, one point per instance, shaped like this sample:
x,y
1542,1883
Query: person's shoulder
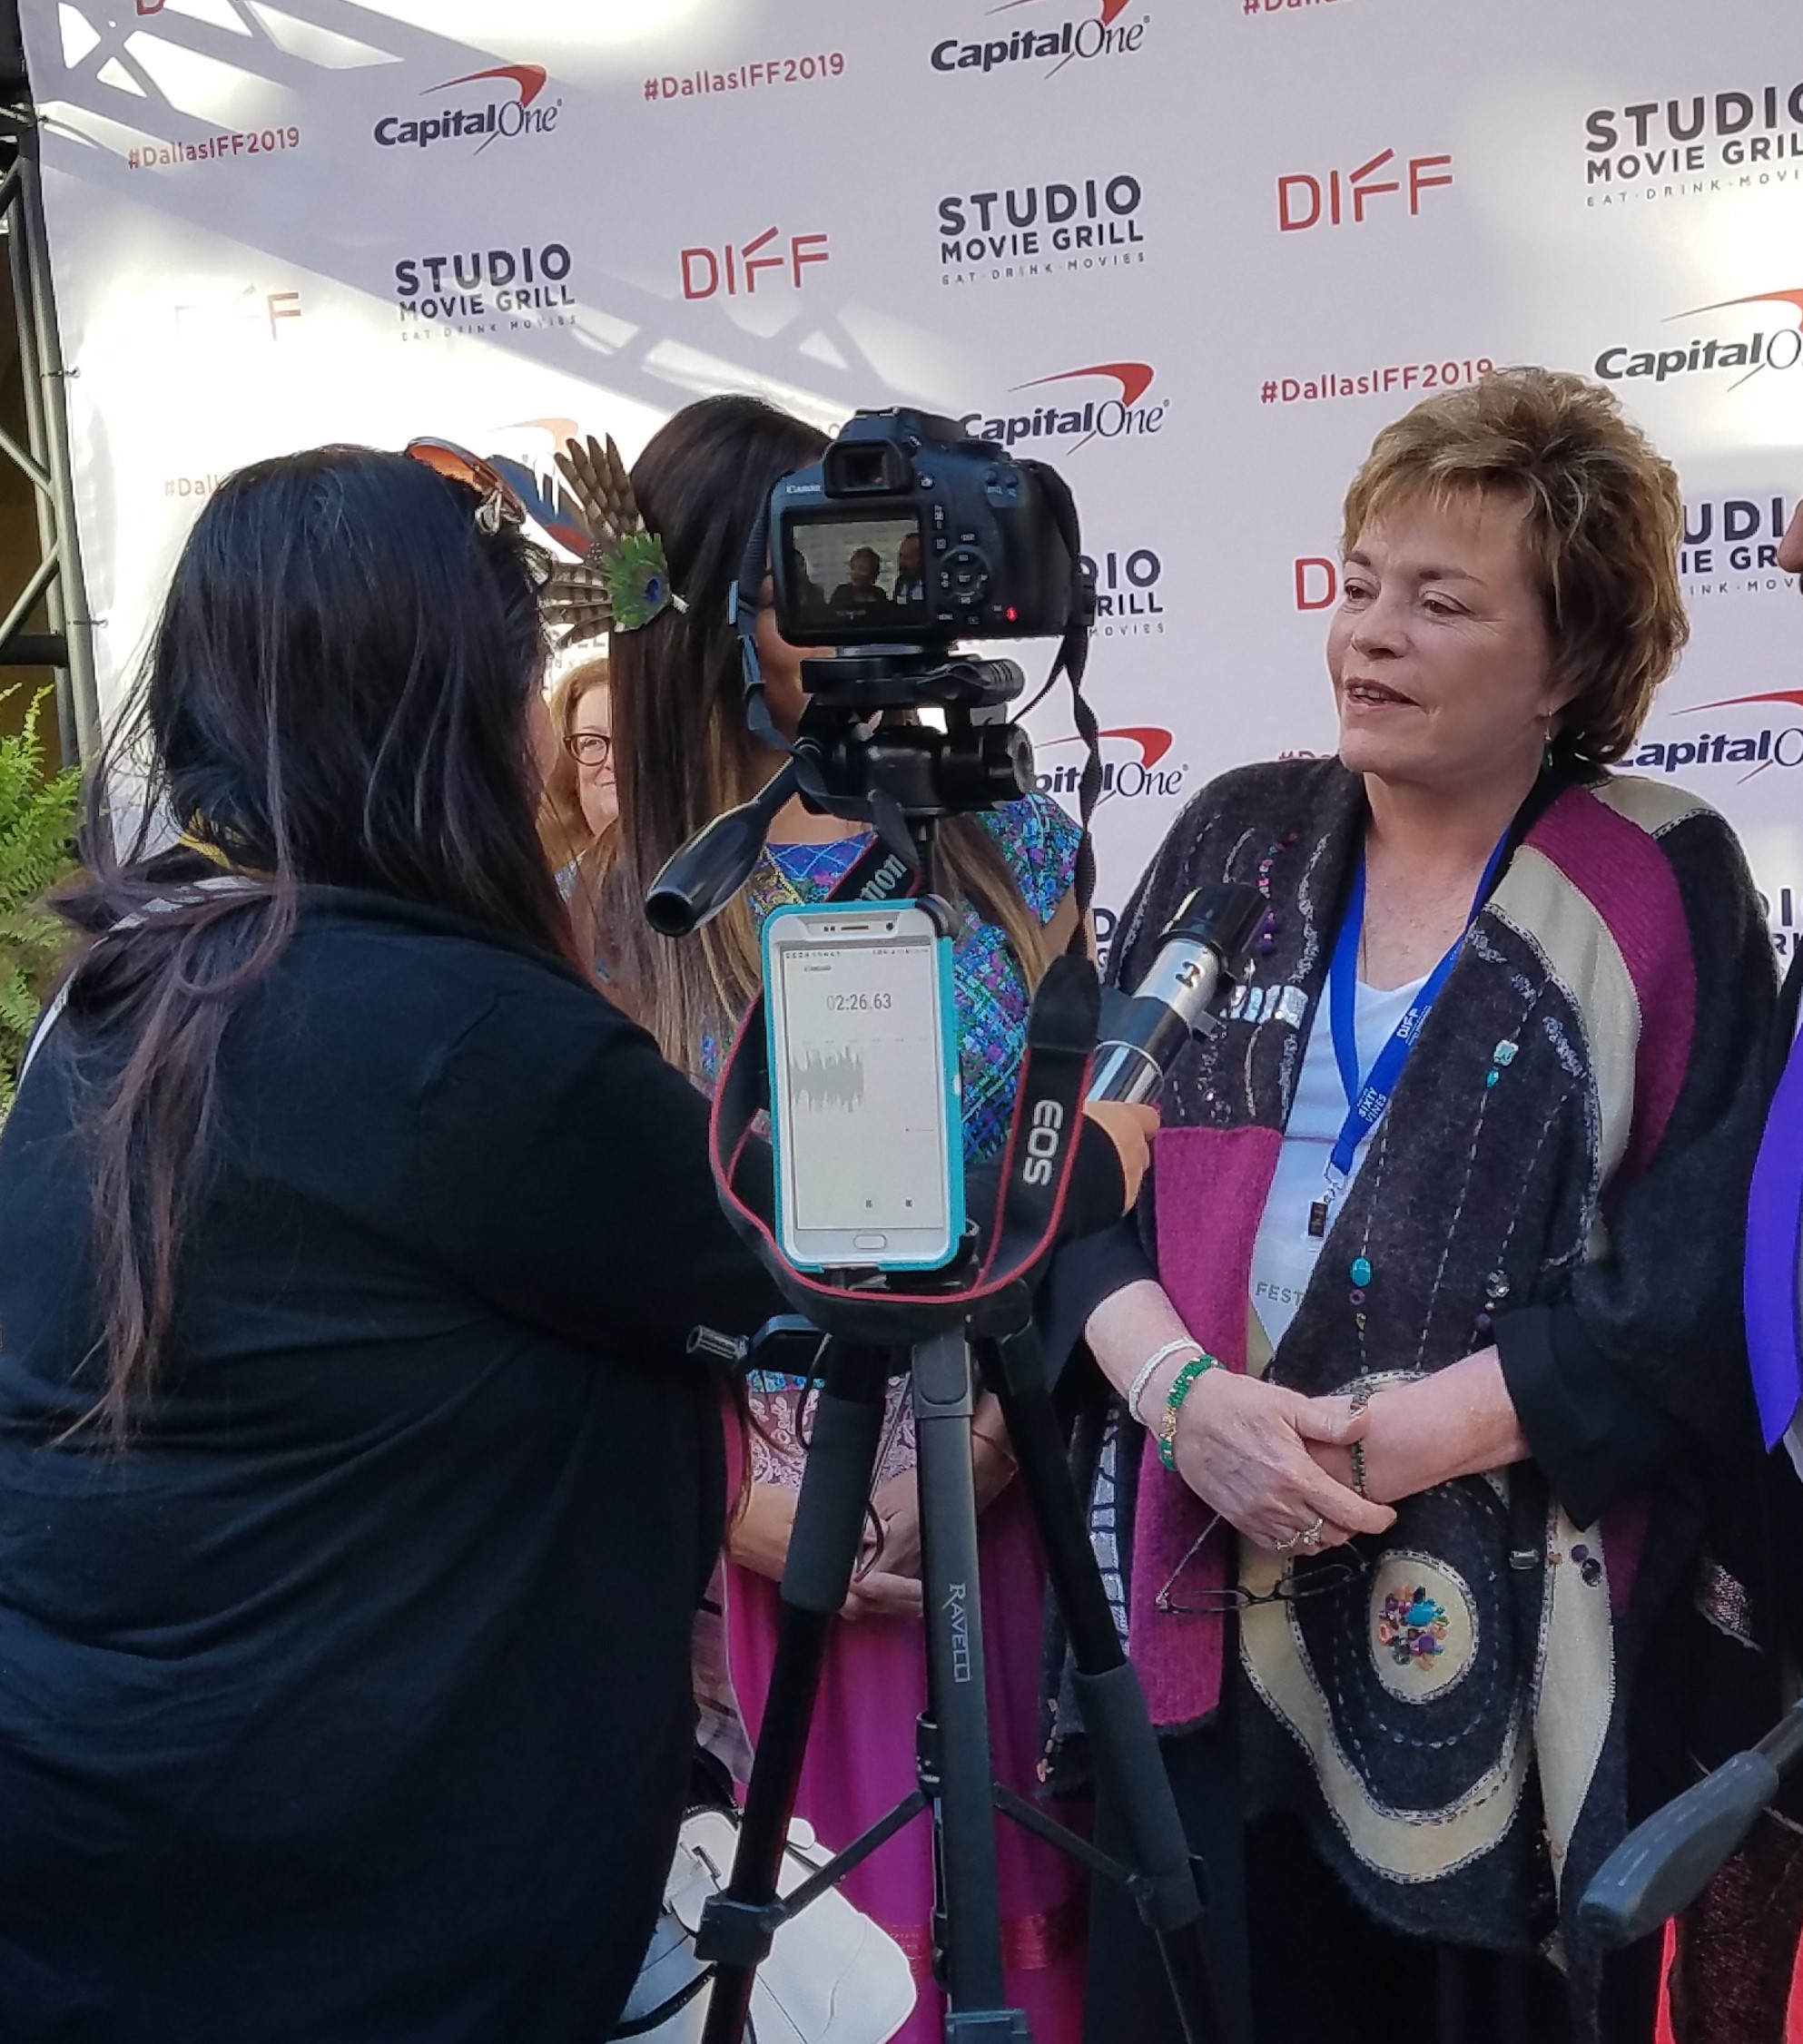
x,y
1279,796
1650,818
390,985
1038,839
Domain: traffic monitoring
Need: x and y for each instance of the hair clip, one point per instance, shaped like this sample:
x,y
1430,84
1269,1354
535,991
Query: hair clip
x,y
623,580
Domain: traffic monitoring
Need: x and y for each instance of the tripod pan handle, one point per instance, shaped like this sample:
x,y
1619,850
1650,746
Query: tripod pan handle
x,y
1665,1863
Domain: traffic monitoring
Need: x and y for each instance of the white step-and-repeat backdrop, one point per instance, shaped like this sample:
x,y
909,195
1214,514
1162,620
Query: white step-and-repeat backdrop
x,y
1194,251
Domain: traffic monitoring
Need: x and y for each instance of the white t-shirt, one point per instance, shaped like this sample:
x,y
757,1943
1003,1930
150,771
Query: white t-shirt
x,y
1284,1256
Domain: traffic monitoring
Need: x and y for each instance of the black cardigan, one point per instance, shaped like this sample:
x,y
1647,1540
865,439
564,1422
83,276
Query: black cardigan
x,y
352,1702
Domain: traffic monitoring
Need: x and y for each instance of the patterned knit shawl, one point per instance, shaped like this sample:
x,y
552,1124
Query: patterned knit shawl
x,y
1573,1125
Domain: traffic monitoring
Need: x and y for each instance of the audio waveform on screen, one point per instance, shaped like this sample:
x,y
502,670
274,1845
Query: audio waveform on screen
x,y
827,1078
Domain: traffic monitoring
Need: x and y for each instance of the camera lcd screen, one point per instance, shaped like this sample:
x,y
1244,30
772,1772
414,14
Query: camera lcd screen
x,y
848,570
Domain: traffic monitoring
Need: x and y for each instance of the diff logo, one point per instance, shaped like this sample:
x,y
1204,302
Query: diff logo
x,y
1106,401
1113,32
729,271
505,102
1771,339
1136,763
1341,199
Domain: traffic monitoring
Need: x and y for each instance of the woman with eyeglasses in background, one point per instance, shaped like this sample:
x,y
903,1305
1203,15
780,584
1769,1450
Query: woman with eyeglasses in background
x,y
580,802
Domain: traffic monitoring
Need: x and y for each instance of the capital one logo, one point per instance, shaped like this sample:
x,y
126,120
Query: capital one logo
x,y
1306,199
1754,343
1114,30
1755,742
507,106
1136,762
735,271
1106,401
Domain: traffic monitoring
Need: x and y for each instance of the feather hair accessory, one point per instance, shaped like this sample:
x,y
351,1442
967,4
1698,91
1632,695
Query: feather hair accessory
x,y
623,580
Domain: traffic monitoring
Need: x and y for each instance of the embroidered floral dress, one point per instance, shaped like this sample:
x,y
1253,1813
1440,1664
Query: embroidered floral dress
x,y
861,1757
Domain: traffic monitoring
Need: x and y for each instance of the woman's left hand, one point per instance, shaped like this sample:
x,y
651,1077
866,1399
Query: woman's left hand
x,y
1457,1423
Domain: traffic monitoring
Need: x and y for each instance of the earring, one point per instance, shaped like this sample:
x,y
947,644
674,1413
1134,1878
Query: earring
x,y
1546,750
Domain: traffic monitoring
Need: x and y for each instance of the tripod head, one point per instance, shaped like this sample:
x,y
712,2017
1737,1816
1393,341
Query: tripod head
x,y
863,752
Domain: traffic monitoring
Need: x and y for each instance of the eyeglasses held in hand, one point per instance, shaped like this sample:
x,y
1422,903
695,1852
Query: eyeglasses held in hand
x,y
1316,1579
590,748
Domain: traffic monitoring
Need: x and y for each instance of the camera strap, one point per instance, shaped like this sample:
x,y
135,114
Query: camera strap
x,y
1022,1225
1073,658
742,609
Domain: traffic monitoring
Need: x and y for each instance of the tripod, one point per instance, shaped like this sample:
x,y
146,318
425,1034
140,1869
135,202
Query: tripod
x,y
955,1783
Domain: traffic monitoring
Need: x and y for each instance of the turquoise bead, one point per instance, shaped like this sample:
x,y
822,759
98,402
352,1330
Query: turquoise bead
x,y
1361,1271
1490,1078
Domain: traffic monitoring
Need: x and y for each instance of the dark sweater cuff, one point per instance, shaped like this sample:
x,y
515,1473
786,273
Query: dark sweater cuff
x,y
1595,1437
1082,1275
1096,1195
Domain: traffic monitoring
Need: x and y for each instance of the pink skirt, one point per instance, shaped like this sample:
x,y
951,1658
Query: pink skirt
x,y
861,1763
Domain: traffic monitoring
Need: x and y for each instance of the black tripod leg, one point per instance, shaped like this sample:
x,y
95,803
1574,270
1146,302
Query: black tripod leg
x,y
956,1739
1129,1768
737,1924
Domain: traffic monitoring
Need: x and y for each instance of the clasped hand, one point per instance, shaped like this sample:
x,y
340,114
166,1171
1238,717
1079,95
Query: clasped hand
x,y
1254,1453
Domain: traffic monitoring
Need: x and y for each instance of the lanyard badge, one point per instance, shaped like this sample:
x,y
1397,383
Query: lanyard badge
x,y
1367,1097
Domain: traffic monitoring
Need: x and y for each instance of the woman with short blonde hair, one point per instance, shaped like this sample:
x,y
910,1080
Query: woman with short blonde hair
x,y
1427,1341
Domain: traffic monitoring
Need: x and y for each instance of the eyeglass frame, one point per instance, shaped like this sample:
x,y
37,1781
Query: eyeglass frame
x,y
576,739
1329,1576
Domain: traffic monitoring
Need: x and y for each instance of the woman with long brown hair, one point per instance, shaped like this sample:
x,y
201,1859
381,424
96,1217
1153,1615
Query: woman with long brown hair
x,y
683,753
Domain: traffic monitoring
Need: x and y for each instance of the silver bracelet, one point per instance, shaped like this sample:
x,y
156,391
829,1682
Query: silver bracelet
x,y
1150,1364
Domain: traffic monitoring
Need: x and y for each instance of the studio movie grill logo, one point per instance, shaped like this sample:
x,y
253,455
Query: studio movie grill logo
x,y
1129,602
505,103
480,290
1754,343
1116,30
1736,535
1079,415
1136,763
1703,142
1040,230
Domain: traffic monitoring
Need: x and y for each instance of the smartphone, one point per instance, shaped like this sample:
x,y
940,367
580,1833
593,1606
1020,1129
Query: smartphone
x,y
863,1086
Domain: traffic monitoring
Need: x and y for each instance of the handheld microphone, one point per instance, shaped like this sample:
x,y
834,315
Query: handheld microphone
x,y
1200,958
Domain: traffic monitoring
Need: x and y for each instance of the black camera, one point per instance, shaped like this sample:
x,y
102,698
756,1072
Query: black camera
x,y
908,533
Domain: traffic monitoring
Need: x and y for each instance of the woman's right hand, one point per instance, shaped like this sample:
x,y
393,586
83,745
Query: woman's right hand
x,y
1131,1128
1242,1446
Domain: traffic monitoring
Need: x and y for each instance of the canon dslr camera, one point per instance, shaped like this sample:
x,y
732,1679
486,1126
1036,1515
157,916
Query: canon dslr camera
x,y
907,533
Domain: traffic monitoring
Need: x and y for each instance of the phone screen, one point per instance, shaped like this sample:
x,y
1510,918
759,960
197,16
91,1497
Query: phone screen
x,y
863,1116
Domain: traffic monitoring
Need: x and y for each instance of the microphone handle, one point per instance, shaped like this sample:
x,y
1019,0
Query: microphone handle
x,y
1173,1004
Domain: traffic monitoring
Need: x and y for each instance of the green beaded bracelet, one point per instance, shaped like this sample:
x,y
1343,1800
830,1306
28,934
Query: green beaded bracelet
x,y
1180,1388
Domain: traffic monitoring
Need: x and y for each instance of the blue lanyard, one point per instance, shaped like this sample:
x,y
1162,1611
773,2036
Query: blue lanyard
x,y
1367,1099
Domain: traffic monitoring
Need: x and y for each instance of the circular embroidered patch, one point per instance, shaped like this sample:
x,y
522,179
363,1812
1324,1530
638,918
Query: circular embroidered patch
x,y
1422,1626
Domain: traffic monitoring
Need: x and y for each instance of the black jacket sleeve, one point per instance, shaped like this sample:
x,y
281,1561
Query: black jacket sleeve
x,y
563,1173
1645,1360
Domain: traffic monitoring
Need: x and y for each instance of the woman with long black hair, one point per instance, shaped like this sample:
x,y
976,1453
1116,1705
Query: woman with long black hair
x,y
356,1491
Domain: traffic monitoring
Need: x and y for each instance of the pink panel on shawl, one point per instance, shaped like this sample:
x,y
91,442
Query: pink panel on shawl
x,y
1211,1188
1622,873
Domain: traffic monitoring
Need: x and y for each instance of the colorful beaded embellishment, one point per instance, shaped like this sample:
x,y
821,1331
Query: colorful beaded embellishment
x,y
1412,1626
